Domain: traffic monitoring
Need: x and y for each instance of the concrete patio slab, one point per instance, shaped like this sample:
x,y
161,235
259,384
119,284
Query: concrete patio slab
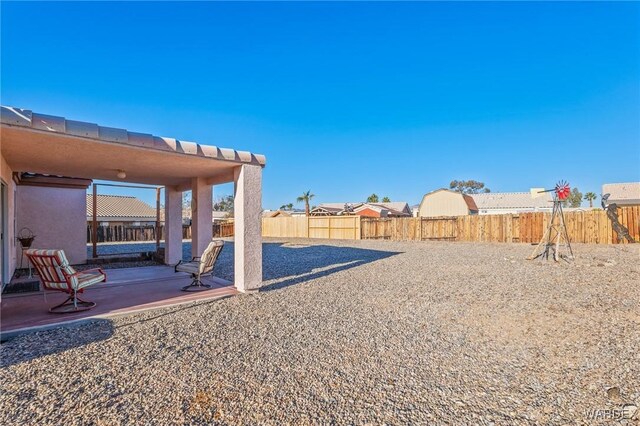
x,y
126,291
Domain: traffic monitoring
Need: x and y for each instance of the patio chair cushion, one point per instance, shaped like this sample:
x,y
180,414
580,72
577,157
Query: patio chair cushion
x,y
56,273
83,279
204,264
210,256
190,267
53,267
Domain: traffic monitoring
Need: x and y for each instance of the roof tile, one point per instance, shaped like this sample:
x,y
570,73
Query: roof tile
x,y
120,206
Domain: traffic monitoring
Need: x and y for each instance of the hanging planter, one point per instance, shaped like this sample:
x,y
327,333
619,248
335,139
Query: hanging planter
x,y
26,237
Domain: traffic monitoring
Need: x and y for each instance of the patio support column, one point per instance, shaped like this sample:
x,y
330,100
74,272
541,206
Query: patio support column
x,y
201,216
248,228
172,225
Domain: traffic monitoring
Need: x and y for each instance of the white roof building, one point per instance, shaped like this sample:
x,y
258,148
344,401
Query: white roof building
x,y
512,202
623,194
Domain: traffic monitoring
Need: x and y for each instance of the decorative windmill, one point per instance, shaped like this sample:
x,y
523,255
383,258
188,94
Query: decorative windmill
x,y
555,237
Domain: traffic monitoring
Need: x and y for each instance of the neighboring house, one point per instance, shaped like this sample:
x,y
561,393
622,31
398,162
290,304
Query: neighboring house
x,y
623,194
512,202
216,216
415,209
392,209
121,210
445,202
282,213
275,213
328,209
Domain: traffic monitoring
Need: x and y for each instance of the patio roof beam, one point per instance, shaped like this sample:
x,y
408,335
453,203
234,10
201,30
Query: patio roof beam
x,y
89,151
119,185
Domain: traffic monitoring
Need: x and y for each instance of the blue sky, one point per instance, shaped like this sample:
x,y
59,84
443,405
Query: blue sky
x,y
347,99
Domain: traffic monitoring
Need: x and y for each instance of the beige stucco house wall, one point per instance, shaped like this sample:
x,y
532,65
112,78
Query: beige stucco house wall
x,y
444,202
57,216
8,259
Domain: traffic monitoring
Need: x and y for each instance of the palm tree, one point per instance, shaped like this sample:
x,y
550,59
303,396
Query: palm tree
x,y
590,196
305,197
386,200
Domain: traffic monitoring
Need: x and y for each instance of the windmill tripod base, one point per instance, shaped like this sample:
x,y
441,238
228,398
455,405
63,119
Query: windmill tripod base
x,y
555,242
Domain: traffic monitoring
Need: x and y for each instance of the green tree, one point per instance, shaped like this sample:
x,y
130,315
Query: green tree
x,y
590,196
287,207
373,198
224,204
305,198
468,186
386,200
574,199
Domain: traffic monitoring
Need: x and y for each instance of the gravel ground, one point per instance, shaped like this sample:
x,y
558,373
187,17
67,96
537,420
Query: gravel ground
x,y
353,333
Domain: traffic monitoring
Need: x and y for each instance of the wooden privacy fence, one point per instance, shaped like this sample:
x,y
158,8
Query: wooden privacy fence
x,y
124,233
591,226
116,233
332,227
223,229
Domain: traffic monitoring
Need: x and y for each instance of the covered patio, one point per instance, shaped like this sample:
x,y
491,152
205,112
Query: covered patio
x,y
128,290
68,154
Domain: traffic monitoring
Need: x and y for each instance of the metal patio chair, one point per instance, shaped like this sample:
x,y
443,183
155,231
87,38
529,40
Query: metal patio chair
x,y
56,274
201,266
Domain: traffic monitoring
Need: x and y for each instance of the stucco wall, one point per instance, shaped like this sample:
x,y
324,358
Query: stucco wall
x,y
5,173
443,203
57,216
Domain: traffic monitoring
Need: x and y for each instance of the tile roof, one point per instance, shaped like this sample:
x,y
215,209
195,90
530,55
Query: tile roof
x,y
331,207
398,206
395,207
511,200
629,191
120,206
48,123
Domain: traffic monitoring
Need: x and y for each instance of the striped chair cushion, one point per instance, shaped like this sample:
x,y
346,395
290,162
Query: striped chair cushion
x,y
51,269
83,279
